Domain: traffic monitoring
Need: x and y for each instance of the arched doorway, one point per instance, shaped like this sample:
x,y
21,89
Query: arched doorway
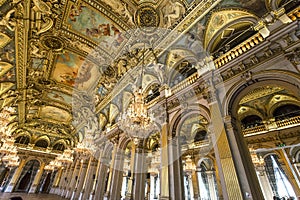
x,y
27,176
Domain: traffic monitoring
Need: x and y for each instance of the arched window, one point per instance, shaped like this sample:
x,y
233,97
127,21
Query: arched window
x,y
59,147
184,70
200,135
41,143
251,121
22,140
286,111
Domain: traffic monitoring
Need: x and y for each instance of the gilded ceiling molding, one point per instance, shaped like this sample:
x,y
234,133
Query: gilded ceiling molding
x,y
260,92
4,40
2,2
21,40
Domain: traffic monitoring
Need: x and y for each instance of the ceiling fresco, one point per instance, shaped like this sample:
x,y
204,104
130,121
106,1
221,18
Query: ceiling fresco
x,y
69,66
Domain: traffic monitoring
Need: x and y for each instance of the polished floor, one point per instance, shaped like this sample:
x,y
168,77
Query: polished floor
x,y
6,196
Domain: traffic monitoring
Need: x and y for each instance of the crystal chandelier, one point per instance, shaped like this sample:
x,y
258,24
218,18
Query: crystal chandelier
x,y
136,121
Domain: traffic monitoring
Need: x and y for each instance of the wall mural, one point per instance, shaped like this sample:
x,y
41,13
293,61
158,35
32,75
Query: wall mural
x,y
84,20
59,96
54,113
256,6
73,70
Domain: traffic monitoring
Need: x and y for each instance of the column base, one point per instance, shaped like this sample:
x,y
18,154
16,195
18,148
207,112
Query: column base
x,y
106,196
128,197
32,189
80,196
67,194
9,188
92,196
73,195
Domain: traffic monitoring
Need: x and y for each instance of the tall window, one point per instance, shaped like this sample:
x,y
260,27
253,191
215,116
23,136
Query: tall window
x,y
280,184
203,183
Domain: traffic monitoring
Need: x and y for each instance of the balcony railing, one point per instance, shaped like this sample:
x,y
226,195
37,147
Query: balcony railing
x,y
278,124
195,145
288,122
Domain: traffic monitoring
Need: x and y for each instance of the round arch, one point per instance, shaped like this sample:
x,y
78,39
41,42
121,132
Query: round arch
x,y
283,79
183,114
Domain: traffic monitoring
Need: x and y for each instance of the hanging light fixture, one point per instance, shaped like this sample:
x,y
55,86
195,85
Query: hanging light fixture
x,y
136,121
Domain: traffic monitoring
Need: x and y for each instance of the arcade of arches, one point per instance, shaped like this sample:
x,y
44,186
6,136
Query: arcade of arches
x,y
221,79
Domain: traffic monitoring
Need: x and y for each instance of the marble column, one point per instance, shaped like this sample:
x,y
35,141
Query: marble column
x,y
264,183
236,172
152,185
176,184
15,177
139,173
164,167
92,194
64,184
37,179
111,169
211,185
244,167
117,175
132,168
124,186
101,181
71,179
77,181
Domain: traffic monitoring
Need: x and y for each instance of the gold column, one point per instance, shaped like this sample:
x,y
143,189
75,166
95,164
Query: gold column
x,y
57,177
15,177
195,185
37,179
291,175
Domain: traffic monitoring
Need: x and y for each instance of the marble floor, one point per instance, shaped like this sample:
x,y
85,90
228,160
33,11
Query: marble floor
x,y
6,196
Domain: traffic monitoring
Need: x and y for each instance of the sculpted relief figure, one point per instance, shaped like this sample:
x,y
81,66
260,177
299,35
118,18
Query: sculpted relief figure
x,y
7,21
42,12
173,11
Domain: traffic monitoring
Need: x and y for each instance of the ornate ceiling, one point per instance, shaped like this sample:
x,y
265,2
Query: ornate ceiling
x,y
68,66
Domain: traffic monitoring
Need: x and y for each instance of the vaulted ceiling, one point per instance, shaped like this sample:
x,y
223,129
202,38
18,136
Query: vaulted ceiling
x,y
69,66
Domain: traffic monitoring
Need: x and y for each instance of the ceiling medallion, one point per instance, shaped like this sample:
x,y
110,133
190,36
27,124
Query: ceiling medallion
x,y
147,18
52,43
